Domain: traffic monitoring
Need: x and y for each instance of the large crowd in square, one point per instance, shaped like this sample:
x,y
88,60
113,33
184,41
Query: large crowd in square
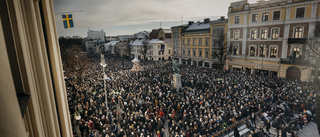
x,y
144,103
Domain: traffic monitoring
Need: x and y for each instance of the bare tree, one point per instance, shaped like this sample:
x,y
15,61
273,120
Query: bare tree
x,y
128,49
144,49
77,60
222,51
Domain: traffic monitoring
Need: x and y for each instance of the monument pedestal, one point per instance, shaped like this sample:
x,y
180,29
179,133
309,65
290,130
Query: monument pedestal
x,y
177,81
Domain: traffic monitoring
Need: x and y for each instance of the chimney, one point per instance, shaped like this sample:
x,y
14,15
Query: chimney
x,y
206,20
222,18
191,22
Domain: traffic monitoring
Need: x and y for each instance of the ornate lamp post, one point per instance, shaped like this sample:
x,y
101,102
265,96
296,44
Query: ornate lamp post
x,y
103,64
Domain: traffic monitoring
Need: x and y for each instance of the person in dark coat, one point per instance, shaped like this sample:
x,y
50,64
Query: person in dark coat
x,y
267,125
236,132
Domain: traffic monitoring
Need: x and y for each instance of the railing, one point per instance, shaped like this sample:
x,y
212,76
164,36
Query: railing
x,y
296,61
297,40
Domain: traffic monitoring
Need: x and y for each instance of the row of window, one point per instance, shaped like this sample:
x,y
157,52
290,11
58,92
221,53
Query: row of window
x,y
194,40
206,52
300,13
298,33
273,51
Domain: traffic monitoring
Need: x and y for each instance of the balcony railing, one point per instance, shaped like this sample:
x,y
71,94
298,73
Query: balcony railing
x,y
297,40
296,61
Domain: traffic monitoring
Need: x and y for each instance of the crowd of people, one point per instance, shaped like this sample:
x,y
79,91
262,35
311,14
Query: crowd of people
x,y
145,103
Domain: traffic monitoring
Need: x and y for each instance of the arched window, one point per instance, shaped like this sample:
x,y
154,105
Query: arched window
x,y
253,34
264,33
298,32
275,33
235,49
273,51
252,51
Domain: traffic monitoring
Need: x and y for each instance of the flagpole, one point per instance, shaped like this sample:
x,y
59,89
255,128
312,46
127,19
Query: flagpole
x,y
68,12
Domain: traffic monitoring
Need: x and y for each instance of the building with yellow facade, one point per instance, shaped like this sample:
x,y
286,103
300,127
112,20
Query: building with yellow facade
x,y
269,37
193,43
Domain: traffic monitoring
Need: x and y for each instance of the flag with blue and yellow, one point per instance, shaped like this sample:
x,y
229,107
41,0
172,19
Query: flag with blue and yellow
x,y
67,21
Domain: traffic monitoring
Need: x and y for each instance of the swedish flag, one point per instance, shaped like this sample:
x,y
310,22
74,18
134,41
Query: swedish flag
x,y
67,21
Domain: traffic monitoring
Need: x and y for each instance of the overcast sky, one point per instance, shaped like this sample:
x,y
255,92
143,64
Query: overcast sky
x,y
121,17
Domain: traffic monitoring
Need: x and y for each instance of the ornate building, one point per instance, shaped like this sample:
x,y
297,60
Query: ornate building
x,y
269,37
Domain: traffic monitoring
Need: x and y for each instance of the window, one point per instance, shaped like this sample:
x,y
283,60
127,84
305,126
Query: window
x,y
253,34
252,51
189,52
236,19
296,53
200,41
276,15
235,50
194,52
274,33
207,41
264,33
183,40
265,16
188,42
236,35
298,32
200,52
300,12
273,52
207,53
183,52
254,18
194,41
263,49
169,51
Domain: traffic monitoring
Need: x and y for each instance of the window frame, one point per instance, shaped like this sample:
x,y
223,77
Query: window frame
x,y
266,48
274,14
271,36
266,33
199,52
206,41
236,19
255,50
252,17
304,12
256,34
262,15
200,41
273,46
233,49
234,34
294,31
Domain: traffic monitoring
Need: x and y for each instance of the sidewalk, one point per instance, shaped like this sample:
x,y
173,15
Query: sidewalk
x,y
310,130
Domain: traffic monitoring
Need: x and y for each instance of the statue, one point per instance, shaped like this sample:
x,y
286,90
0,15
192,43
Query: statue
x,y
175,67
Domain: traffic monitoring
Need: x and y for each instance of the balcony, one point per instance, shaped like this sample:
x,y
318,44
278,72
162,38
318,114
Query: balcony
x,y
297,40
296,61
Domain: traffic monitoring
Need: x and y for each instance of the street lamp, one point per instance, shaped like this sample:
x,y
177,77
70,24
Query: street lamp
x,y
264,52
103,64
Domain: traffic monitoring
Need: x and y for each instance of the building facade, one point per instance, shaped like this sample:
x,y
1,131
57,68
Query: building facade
x,y
193,43
157,49
96,35
269,37
33,97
